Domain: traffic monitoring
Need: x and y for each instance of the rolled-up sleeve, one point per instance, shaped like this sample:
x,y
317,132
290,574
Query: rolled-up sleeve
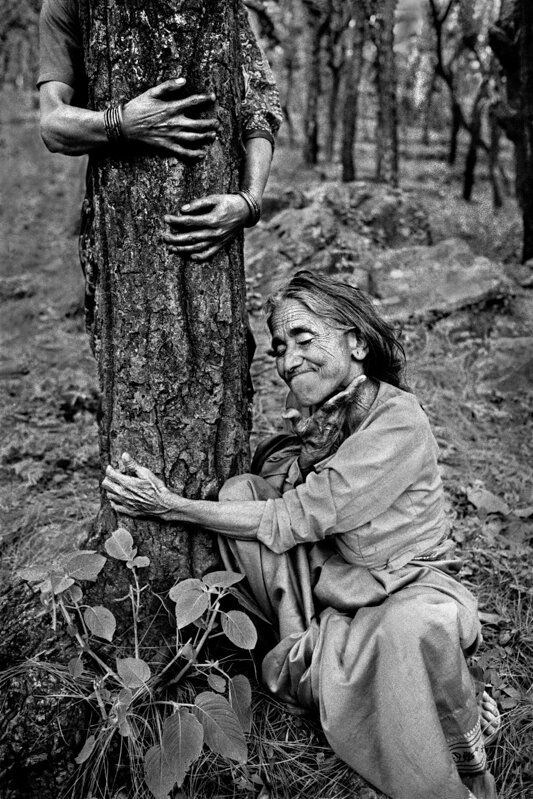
x,y
367,474
261,109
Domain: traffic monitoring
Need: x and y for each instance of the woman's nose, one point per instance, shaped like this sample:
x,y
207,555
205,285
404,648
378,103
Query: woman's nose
x,y
293,359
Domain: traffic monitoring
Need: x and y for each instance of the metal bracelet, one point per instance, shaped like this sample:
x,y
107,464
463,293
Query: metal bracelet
x,y
253,205
113,123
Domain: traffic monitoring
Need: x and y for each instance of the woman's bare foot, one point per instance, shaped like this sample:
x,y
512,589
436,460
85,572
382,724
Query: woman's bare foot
x,y
481,786
489,717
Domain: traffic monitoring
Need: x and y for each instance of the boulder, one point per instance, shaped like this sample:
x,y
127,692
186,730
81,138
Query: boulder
x,y
420,282
334,228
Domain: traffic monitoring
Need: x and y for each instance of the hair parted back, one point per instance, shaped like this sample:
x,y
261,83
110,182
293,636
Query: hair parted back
x,y
346,307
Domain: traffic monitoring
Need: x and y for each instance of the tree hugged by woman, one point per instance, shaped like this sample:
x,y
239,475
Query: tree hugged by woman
x,y
341,532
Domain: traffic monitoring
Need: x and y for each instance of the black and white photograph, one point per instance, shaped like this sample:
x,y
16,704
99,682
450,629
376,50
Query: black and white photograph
x,y
266,399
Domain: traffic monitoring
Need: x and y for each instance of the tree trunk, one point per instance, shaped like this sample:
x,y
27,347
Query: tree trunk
x,y
169,339
526,80
456,116
387,161
475,139
313,94
510,39
494,151
353,70
169,332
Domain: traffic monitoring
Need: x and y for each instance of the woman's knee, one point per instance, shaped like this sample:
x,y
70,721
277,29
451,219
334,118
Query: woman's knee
x,y
246,487
237,488
413,620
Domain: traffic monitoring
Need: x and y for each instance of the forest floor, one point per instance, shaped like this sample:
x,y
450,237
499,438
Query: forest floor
x,y
471,368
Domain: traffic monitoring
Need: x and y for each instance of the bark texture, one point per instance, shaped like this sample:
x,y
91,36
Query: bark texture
x,y
381,13
169,338
169,333
354,70
511,41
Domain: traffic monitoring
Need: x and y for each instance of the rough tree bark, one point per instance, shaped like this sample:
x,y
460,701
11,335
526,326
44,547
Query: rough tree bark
x,y
510,39
526,80
169,342
318,15
353,69
380,14
339,19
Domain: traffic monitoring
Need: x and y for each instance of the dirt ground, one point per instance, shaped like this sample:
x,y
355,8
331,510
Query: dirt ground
x,y
471,369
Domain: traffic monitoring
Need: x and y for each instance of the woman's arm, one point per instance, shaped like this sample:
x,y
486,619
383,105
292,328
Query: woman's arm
x,y
141,493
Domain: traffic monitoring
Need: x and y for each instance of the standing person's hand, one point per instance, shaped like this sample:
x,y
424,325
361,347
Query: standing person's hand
x,y
162,117
205,225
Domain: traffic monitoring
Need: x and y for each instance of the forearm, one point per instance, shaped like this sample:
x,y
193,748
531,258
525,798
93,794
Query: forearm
x,y
232,519
256,166
73,131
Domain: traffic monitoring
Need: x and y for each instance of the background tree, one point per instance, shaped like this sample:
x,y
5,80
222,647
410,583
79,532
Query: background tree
x,y
380,15
510,38
354,70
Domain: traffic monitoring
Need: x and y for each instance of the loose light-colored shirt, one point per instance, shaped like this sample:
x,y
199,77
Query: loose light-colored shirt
x,y
379,496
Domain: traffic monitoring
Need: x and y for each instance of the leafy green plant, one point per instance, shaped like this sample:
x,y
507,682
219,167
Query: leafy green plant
x,y
155,708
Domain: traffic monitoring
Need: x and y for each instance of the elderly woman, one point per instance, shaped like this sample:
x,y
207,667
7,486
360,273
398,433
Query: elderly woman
x,y
342,535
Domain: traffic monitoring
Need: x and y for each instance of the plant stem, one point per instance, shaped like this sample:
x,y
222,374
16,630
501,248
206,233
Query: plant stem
x,y
201,643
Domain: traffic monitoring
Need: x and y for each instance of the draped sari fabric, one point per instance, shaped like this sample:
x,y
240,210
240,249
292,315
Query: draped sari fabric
x,y
371,629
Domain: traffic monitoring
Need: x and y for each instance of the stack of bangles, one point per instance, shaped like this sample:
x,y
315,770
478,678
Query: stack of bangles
x,y
113,123
253,205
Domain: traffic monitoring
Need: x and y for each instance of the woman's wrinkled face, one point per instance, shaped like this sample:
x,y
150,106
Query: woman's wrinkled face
x,y
314,359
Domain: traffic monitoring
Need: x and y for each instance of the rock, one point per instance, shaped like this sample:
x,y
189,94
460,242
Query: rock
x,y
16,287
437,280
334,228
507,367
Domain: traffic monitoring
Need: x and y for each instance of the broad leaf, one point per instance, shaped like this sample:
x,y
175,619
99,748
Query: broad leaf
x,y
158,773
59,582
33,575
185,586
217,683
140,562
85,565
133,672
86,750
120,545
239,629
223,732
125,697
486,500
75,593
75,667
191,601
183,738
100,622
240,697
222,579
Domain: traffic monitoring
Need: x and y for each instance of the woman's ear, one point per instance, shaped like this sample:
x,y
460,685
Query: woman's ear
x,y
358,347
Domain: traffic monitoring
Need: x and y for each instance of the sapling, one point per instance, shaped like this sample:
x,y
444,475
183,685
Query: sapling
x,y
144,703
